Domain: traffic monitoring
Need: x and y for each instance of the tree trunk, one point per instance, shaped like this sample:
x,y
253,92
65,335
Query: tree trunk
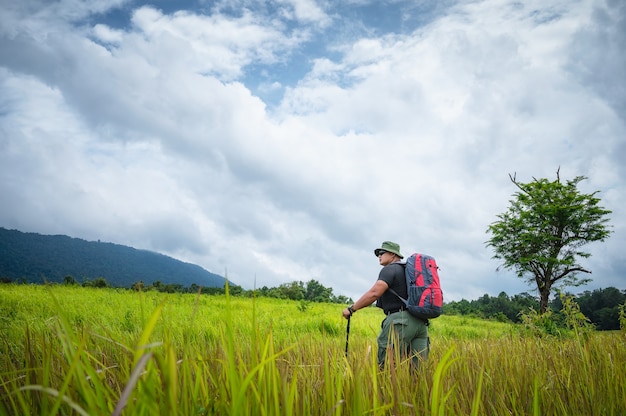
x,y
544,297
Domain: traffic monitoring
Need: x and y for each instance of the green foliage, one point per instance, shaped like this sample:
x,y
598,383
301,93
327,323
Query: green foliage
x,y
568,320
69,280
311,291
622,317
501,308
98,282
574,318
539,324
303,305
541,234
602,307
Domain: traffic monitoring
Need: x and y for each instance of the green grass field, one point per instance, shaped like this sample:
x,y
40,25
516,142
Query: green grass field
x,y
84,351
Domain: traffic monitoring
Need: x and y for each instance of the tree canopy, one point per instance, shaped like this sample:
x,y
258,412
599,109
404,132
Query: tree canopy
x,y
541,234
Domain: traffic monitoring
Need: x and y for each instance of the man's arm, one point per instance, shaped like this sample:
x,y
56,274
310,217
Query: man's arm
x,y
368,298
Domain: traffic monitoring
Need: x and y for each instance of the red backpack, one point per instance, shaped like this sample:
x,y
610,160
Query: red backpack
x,y
422,280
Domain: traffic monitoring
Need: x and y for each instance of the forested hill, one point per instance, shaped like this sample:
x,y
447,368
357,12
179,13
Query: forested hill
x,y
32,257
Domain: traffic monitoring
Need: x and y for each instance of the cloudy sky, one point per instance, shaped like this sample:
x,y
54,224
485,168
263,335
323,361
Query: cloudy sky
x,y
284,140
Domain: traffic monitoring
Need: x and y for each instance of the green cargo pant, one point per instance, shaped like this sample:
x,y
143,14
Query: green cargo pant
x,y
410,333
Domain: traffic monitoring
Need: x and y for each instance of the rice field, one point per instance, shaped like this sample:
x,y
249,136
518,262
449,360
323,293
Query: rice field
x,y
84,351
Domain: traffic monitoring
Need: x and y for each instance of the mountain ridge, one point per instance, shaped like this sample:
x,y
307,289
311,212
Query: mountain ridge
x,y
38,258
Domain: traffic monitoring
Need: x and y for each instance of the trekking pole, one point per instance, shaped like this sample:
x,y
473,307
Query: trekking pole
x,y
347,335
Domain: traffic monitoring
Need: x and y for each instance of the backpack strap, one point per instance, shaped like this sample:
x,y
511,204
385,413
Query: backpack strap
x,y
405,301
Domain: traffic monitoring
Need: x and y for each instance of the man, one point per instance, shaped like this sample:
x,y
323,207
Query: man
x,y
410,332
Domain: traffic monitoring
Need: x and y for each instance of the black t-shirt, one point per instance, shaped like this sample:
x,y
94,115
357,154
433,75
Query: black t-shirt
x,y
393,275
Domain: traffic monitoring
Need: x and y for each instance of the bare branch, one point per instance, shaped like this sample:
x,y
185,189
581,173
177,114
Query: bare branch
x,y
568,271
514,180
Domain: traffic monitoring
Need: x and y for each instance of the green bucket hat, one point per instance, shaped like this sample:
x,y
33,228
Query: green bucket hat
x,y
390,247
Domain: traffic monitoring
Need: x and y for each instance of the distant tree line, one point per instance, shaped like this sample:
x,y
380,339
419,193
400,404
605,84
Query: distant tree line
x,y
311,291
600,306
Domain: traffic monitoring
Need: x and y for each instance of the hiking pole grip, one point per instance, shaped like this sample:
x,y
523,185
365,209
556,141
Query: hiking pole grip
x,y
347,334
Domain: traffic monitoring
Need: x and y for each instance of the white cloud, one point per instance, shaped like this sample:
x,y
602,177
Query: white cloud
x,y
307,11
107,35
153,138
218,45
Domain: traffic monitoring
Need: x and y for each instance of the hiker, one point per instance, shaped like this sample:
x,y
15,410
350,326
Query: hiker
x,y
411,332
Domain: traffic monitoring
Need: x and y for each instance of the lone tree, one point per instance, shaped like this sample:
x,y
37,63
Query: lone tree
x,y
541,233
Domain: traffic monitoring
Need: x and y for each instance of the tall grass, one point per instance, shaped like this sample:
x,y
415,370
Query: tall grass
x,y
84,351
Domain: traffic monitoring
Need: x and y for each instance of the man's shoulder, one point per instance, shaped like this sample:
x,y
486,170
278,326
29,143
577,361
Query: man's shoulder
x,y
390,270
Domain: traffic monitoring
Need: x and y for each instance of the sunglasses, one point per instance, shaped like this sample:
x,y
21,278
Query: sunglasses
x,y
381,252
